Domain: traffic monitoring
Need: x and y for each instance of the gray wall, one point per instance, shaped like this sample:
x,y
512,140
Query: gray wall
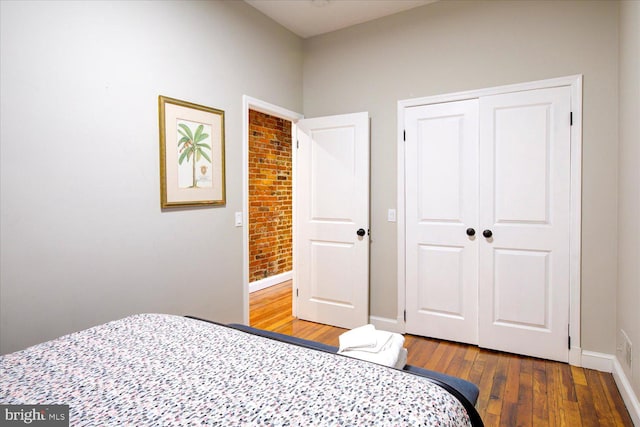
x,y
629,187
452,46
83,238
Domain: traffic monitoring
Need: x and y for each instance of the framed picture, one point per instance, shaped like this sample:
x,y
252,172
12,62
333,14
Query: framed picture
x,y
191,154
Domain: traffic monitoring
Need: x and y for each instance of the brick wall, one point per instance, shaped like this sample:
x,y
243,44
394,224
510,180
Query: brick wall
x,y
270,196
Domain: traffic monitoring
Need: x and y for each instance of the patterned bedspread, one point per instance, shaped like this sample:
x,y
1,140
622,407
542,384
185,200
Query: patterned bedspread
x,y
161,370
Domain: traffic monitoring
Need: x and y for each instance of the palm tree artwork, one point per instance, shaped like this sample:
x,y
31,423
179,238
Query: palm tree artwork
x,y
192,151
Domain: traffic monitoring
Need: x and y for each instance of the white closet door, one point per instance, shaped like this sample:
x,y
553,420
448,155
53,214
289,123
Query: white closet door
x,y
524,204
441,169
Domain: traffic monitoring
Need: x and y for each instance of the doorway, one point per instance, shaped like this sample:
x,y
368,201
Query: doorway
x,y
270,200
267,269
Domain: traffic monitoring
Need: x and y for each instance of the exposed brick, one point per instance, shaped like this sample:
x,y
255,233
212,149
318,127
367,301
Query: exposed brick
x,y
270,196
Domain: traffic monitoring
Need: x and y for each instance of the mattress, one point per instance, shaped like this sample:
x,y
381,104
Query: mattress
x,y
467,389
157,369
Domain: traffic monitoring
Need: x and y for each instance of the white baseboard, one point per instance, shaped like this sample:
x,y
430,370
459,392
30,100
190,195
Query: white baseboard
x,y
270,281
386,324
598,361
609,363
626,391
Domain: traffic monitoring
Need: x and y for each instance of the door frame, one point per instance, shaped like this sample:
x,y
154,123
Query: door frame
x,y
575,83
250,103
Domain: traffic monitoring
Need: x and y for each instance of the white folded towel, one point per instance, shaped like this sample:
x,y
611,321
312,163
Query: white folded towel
x,y
402,359
362,337
387,351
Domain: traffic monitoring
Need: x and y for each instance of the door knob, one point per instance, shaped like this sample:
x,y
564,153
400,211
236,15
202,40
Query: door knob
x,y
471,232
487,233
361,232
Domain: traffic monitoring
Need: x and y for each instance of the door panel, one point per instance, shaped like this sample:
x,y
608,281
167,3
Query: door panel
x,y
438,265
441,167
332,203
439,175
327,257
333,167
522,150
521,301
524,201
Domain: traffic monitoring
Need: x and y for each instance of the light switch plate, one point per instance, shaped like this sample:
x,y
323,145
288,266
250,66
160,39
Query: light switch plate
x,y
391,215
238,219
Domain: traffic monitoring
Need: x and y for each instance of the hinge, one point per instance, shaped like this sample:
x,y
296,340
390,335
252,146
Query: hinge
x,y
297,144
569,336
297,290
404,135
569,343
405,315
571,118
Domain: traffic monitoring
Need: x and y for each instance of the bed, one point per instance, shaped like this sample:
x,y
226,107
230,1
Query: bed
x,y
156,369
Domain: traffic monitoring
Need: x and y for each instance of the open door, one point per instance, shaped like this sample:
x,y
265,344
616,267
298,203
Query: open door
x,y
331,210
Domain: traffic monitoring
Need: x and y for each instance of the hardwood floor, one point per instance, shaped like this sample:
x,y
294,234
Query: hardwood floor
x,y
514,390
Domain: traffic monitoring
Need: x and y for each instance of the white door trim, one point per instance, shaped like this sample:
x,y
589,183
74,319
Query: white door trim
x,y
575,83
249,103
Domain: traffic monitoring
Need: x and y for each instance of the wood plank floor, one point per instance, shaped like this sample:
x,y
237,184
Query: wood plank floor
x,y
514,390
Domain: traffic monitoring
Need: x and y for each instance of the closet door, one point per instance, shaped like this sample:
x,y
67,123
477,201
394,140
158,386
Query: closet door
x,y
524,221
441,167
487,185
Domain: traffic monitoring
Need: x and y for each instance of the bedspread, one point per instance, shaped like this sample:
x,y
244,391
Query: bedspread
x,y
153,370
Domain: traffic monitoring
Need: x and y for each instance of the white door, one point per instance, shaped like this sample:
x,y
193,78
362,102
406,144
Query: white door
x,y
499,165
441,187
331,198
524,204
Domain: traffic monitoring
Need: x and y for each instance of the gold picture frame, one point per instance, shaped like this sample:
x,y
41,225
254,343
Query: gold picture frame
x,y
191,154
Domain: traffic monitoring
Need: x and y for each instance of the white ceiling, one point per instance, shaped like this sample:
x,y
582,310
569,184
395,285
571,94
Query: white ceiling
x,y
309,18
